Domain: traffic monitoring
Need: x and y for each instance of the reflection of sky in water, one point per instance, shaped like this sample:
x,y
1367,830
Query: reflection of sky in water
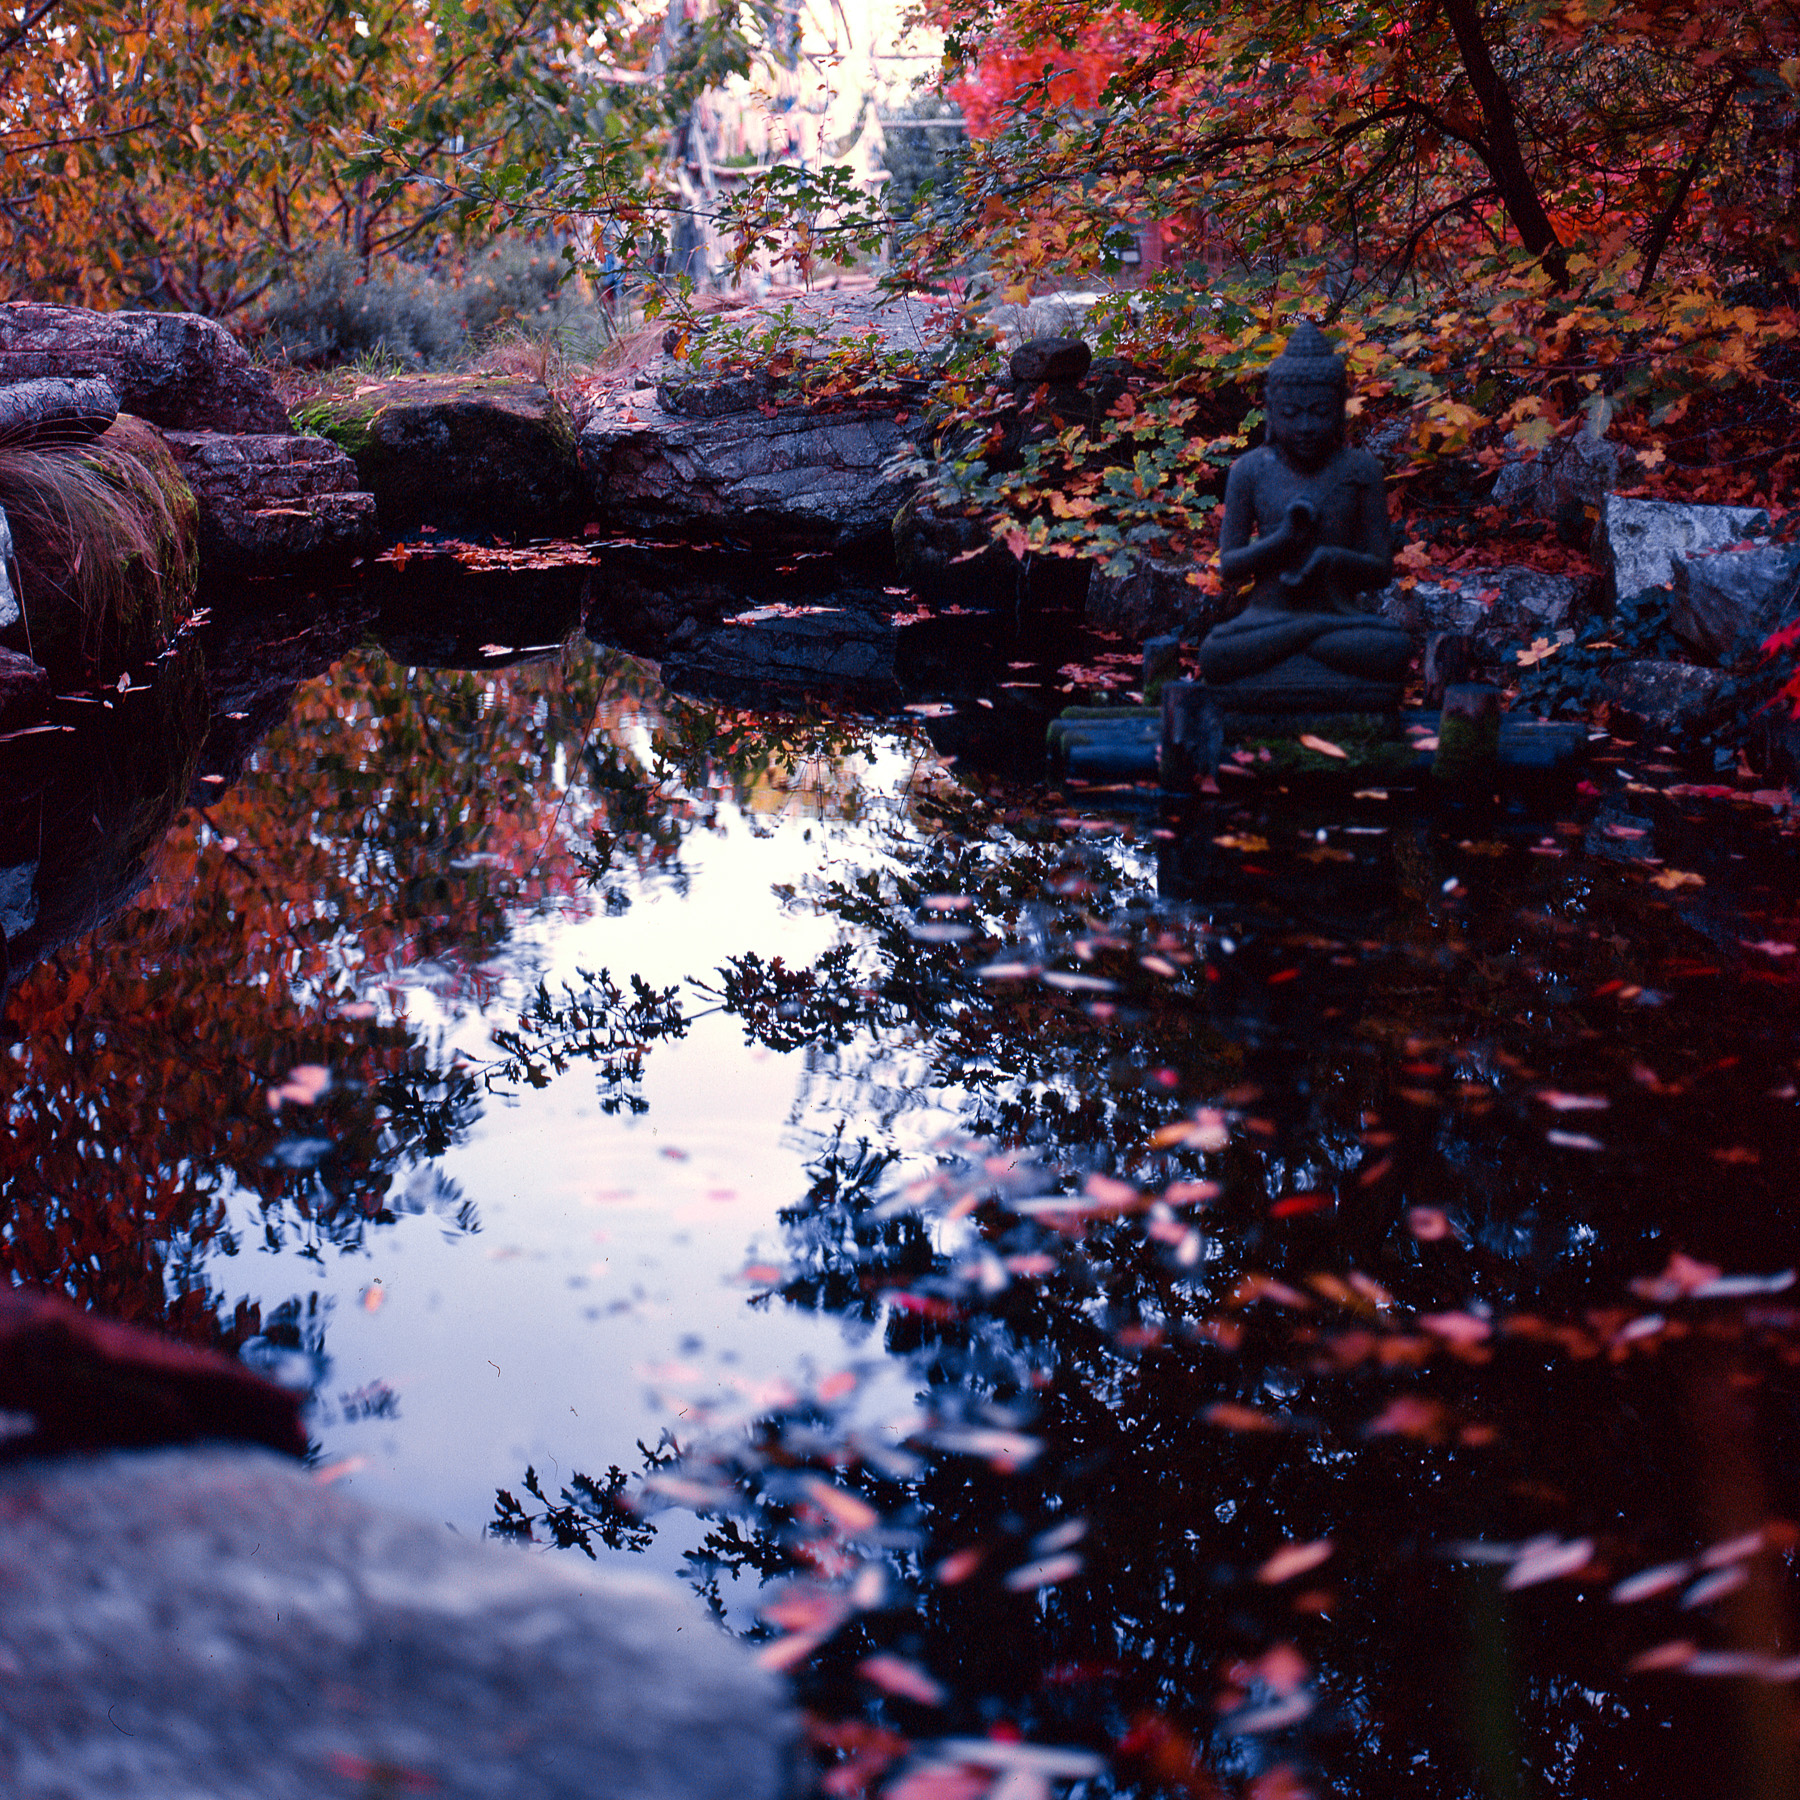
x,y
610,1247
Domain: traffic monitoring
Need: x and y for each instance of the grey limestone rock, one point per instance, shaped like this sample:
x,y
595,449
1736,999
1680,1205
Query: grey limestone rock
x,y
1640,541
273,505
56,411
794,478
1495,609
1727,601
1569,475
1662,699
177,370
211,1624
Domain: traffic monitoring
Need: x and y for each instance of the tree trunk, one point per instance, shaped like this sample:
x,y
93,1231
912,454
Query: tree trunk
x,y
1502,154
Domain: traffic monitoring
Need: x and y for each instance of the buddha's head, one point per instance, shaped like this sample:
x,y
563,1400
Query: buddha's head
x,y
1304,399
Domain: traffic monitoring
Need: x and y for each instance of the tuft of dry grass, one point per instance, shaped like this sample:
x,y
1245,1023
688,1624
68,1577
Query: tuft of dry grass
x,y
104,535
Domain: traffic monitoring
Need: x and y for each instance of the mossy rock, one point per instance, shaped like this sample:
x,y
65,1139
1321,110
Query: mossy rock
x,y
467,455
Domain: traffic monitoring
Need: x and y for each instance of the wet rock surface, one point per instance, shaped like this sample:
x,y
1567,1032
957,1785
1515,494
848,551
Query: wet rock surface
x,y
177,370
716,450
270,504
213,1624
1151,596
70,1380
475,454
847,649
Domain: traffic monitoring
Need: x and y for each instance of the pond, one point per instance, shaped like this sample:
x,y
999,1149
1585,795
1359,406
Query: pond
x,y
1289,1293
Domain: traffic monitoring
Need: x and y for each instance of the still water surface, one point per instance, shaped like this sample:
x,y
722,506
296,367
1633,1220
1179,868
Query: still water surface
x,y
1295,1297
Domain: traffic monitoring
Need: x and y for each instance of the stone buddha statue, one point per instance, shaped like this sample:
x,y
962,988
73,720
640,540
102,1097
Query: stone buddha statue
x,y
1306,525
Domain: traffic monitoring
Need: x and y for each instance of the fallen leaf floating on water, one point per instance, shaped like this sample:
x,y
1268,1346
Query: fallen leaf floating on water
x,y
1456,1327
1324,746
904,1680
1294,1559
958,1566
1050,1761
1205,1131
850,1514
940,932
1078,984
1229,1416
305,1083
1714,1586
1648,1583
1548,1559
1005,1450
1573,1140
1047,1571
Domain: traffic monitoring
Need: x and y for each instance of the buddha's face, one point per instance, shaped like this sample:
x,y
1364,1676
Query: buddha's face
x,y
1306,423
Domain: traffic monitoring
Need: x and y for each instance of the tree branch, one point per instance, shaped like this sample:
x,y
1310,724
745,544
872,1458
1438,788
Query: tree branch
x,y
1664,225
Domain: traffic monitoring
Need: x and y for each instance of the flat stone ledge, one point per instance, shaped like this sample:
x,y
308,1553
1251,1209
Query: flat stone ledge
x,y
274,505
210,1624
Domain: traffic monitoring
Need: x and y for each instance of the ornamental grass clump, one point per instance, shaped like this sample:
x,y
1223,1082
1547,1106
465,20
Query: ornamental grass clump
x,y
104,538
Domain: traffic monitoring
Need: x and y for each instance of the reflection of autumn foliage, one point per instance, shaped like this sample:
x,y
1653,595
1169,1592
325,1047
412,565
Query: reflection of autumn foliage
x,y
398,819
389,835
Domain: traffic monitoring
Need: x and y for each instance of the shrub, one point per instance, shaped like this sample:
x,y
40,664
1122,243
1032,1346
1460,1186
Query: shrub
x,y
412,317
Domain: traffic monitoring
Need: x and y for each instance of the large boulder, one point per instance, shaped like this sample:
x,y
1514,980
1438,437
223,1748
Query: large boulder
x,y
214,1624
1640,541
1727,601
273,505
794,477
177,370
950,558
469,455
1497,609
